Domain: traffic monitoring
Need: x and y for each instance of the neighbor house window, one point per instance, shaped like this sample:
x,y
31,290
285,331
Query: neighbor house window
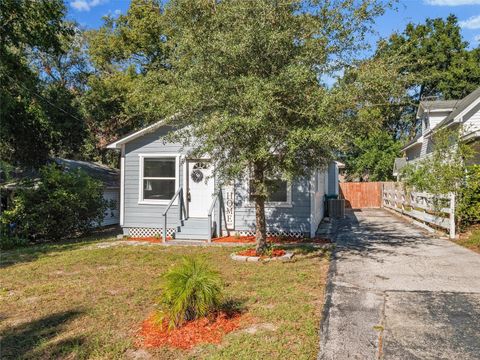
x,y
278,191
158,180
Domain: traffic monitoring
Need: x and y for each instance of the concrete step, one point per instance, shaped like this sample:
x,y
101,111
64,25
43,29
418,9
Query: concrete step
x,y
184,236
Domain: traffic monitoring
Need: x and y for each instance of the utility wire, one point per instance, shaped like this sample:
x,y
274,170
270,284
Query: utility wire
x,y
43,98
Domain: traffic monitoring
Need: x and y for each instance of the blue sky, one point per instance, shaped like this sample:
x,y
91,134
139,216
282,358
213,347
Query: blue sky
x,y
89,13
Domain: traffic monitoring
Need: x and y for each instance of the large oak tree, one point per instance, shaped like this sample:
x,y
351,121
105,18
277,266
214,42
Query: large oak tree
x,y
246,81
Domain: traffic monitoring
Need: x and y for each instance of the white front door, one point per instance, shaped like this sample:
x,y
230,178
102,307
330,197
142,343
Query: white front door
x,y
200,188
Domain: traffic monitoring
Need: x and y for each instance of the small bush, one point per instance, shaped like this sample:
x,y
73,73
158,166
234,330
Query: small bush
x,y
58,205
192,290
468,206
12,242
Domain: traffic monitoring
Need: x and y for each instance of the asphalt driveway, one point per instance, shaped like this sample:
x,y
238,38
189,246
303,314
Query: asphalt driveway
x,y
397,292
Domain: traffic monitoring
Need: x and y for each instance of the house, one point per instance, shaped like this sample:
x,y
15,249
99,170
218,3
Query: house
x,y
108,176
443,114
163,192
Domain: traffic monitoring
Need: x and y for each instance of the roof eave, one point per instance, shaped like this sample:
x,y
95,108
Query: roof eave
x,y
118,144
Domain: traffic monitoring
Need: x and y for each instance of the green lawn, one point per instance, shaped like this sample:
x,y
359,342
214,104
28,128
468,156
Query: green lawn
x,y
79,300
471,240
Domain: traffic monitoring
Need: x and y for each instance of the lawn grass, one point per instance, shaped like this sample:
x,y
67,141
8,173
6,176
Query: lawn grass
x,y
471,240
81,300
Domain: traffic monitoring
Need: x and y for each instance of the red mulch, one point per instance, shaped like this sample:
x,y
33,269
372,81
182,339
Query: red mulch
x,y
252,252
190,334
270,239
148,239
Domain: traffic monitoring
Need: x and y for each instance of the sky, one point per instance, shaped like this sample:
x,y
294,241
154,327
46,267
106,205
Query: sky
x,y
89,13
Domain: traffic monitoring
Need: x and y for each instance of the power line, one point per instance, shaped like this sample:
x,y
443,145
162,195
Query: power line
x,y
43,98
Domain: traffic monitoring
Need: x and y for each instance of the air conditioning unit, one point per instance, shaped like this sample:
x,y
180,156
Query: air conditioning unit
x,y
336,208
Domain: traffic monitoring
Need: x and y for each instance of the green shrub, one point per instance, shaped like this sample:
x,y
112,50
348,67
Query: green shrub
x,y
468,205
58,205
192,290
12,242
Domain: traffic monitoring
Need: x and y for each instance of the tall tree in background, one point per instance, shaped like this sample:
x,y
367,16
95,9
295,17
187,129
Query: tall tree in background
x,y
124,51
438,62
38,116
432,61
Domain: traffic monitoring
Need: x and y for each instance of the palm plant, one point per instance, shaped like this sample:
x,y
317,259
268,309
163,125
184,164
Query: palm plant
x,y
192,290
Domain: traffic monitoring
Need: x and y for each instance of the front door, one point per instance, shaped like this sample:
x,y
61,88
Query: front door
x,y
200,188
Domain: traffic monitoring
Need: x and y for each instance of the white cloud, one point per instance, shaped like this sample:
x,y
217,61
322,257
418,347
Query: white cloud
x,y
471,23
117,12
86,5
451,2
477,38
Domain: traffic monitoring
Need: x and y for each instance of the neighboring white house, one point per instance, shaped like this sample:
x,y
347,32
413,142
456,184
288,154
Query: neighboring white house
x,y
161,185
441,114
109,177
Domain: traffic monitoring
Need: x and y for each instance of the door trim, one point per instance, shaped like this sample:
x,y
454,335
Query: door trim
x,y
187,181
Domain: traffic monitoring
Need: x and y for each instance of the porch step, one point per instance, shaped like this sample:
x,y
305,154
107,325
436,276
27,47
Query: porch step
x,y
193,229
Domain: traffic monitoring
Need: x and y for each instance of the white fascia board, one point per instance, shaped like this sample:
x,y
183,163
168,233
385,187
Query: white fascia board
x,y
118,144
459,117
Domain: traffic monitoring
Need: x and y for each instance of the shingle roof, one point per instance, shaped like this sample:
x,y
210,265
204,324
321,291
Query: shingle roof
x,y
438,104
110,177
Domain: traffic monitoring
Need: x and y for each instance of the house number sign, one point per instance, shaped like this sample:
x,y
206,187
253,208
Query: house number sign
x,y
229,200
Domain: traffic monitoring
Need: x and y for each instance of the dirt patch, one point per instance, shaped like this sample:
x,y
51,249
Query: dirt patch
x,y
189,335
260,327
139,354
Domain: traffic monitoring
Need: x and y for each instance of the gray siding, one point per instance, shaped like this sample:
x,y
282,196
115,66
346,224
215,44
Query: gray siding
x,y
146,215
293,218
289,218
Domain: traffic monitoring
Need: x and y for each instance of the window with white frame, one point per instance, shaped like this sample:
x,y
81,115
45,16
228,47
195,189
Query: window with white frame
x,y
278,191
158,178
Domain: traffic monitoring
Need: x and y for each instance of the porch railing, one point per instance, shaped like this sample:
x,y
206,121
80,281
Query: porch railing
x,y
218,196
181,211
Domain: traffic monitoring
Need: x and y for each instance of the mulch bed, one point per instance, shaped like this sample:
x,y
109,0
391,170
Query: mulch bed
x,y
252,252
271,240
190,334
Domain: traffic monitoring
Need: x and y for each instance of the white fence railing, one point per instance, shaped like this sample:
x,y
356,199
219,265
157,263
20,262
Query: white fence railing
x,y
428,209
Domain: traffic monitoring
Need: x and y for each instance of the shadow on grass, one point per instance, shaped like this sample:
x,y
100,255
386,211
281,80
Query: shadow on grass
x,y
36,250
30,340
233,307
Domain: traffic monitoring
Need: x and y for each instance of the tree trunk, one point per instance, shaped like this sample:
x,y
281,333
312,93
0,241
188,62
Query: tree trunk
x,y
259,196
261,226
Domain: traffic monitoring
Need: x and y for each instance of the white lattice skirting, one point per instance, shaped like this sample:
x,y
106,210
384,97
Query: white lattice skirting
x,y
293,234
149,232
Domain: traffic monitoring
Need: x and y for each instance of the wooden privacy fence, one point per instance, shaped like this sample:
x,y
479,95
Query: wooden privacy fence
x,y
361,194
430,210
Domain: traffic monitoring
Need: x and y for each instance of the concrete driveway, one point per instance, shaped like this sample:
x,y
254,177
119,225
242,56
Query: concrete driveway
x,y
396,292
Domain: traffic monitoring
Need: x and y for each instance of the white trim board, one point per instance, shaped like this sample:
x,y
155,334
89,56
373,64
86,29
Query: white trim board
x,y
141,157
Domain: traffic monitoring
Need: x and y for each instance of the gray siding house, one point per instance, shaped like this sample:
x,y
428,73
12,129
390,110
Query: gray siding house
x,y
163,192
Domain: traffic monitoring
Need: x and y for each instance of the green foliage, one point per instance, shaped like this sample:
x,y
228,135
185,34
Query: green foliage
x,y
60,204
28,133
9,241
443,170
242,77
435,61
192,290
371,158
468,204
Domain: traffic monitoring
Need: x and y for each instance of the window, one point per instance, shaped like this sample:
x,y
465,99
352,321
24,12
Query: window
x,y
278,191
158,178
